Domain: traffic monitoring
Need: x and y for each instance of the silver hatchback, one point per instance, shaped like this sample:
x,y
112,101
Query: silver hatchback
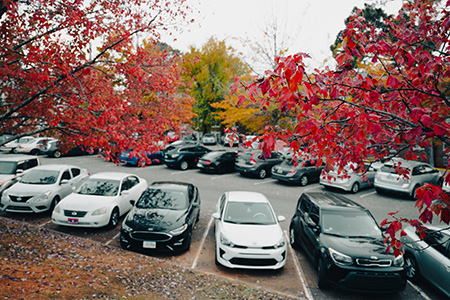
x,y
405,176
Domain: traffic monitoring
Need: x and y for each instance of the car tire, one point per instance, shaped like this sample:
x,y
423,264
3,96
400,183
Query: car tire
x,y
292,240
34,152
184,165
413,192
53,204
188,240
114,218
57,154
412,268
262,173
355,188
379,191
304,180
321,275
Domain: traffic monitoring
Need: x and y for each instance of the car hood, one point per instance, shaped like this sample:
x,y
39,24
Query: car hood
x,y
6,177
157,219
252,235
25,189
357,247
85,202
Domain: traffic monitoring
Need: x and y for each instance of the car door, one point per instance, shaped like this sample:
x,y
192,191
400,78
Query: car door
x,y
368,177
133,192
312,229
125,195
228,160
66,184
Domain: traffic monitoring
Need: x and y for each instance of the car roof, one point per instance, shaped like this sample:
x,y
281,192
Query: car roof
x,y
111,175
332,201
55,167
246,196
406,163
172,185
18,158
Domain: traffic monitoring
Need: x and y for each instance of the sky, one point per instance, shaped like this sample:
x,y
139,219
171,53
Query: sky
x,y
311,25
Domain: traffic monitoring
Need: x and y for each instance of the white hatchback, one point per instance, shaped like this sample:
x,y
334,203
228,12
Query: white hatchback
x,y
100,201
247,232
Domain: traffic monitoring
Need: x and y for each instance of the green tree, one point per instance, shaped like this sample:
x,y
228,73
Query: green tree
x,y
211,71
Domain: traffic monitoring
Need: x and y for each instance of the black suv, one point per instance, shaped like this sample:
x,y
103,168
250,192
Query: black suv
x,y
346,244
184,156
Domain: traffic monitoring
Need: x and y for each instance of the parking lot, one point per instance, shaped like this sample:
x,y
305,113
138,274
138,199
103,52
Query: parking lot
x,y
297,278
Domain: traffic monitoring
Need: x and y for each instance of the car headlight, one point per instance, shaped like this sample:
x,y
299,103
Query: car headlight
x,y
100,211
179,230
398,261
225,241
125,226
339,258
280,243
42,197
175,155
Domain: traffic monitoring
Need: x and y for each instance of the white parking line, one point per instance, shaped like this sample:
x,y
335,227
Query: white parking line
x,y
368,194
111,240
299,269
265,181
194,264
419,290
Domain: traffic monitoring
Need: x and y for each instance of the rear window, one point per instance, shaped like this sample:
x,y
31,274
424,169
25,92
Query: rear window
x,y
393,169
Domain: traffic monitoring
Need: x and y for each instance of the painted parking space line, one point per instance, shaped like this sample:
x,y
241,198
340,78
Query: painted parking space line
x,y
299,269
113,239
368,194
419,290
265,181
194,264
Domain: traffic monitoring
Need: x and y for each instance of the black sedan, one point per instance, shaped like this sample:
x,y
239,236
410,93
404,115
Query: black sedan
x,y
217,162
253,163
346,244
162,219
184,156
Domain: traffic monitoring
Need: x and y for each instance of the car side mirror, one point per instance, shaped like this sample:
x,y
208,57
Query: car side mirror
x,y
19,172
64,181
216,216
132,202
281,218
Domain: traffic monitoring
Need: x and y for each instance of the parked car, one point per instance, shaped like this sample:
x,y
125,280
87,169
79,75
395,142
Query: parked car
x,y
209,139
162,219
53,149
11,146
12,168
428,258
253,163
34,146
298,171
247,232
405,176
100,200
42,187
217,162
231,139
184,156
346,245
352,178
132,158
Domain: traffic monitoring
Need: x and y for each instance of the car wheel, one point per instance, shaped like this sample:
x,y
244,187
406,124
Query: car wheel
x,y
379,191
303,180
184,165
413,192
34,152
321,275
355,188
292,240
114,218
262,173
54,203
412,269
57,154
188,240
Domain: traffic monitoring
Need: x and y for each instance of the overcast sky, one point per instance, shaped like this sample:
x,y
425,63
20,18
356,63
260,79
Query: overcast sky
x,y
312,24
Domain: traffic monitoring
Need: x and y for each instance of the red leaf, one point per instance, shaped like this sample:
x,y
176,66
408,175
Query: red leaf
x,y
392,82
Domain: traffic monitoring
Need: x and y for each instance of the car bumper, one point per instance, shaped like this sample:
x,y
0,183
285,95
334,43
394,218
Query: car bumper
x,y
401,189
251,258
286,177
154,241
338,183
171,162
245,169
88,221
27,207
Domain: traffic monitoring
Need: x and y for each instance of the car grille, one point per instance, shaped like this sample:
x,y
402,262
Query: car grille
x,y
74,213
366,262
150,236
20,199
253,262
19,208
247,247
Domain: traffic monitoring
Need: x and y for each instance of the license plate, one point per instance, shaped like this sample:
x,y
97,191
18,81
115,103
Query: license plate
x,y
149,244
73,221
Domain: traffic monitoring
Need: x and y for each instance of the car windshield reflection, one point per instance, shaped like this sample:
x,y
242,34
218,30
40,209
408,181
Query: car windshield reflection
x,y
350,224
7,167
249,213
162,199
40,177
99,187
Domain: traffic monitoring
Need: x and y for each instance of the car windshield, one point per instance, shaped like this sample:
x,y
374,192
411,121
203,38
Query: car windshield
x,y
8,167
99,187
154,198
350,224
40,177
249,213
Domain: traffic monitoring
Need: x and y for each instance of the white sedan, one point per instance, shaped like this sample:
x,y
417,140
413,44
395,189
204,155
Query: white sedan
x,y
247,232
100,201
41,188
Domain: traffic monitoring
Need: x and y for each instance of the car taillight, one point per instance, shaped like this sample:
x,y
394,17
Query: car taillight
x,y
292,172
207,162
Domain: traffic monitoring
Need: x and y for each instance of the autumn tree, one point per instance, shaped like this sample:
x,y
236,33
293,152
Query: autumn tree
x,y
211,71
346,114
71,70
